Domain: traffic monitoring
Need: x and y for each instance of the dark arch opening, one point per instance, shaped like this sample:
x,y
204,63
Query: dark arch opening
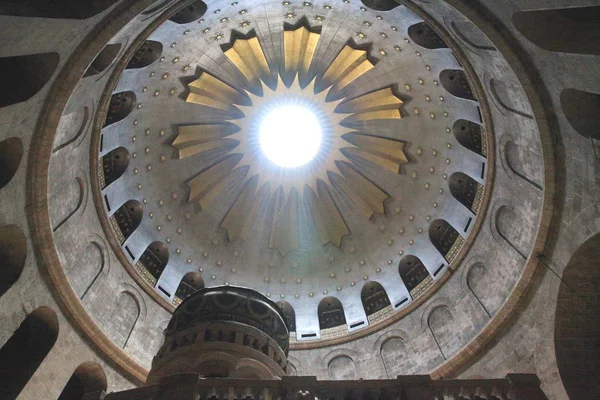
x,y
566,30
412,272
581,109
190,284
103,59
13,252
155,258
374,298
190,13
455,82
147,53
469,135
114,165
380,5
577,323
424,35
464,189
23,76
331,313
443,236
290,314
63,9
121,105
87,382
129,217
23,353
11,152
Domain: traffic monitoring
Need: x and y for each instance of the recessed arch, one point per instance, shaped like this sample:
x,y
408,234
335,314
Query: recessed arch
x,y
26,349
424,35
510,228
87,381
331,313
145,55
478,284
342,368
577,322
121,105
445,238
88,268
290,314
125,313
466,190
581,109
128,217
393,352
413,273
189,284
470,136
190,13
13,253
103,59
63,9
23,76
154,260
439,322
114,165
455,82
566,30
71,199
380,5
523,163
374,298
11,153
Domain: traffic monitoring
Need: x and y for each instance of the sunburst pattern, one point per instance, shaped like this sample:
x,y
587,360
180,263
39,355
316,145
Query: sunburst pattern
x,y
237,134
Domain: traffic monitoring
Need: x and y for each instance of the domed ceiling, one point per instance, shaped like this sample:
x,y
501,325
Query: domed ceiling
x,y
384,207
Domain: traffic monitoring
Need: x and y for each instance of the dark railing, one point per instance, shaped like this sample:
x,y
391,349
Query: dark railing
x,y
412,387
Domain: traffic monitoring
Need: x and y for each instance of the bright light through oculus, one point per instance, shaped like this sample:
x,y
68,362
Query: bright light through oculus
x,y
290,136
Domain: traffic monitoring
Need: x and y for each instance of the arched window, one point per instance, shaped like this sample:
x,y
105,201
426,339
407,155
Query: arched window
x,y
331,313
23,353
290,314
103,59
581,109
128,217
465,189
444,236
148,52
381,5
413,272
23,76
190,13
121,105
190,284
155,259
13,251
11,152
566,30
114,165
470,136
87,382
65,9
424,35
456,83
374,298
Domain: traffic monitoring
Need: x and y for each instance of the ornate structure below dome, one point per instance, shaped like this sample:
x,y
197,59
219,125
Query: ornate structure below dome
x,y
224,332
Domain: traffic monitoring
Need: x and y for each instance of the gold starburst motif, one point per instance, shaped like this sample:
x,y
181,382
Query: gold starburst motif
x,y
287,189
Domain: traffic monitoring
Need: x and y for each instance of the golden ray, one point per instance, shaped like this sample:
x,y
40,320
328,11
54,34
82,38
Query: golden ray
x,y
300,46
327,218
348,65
248,57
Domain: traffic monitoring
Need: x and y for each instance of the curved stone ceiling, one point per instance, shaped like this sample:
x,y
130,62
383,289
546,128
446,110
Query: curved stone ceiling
x,y
197,195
